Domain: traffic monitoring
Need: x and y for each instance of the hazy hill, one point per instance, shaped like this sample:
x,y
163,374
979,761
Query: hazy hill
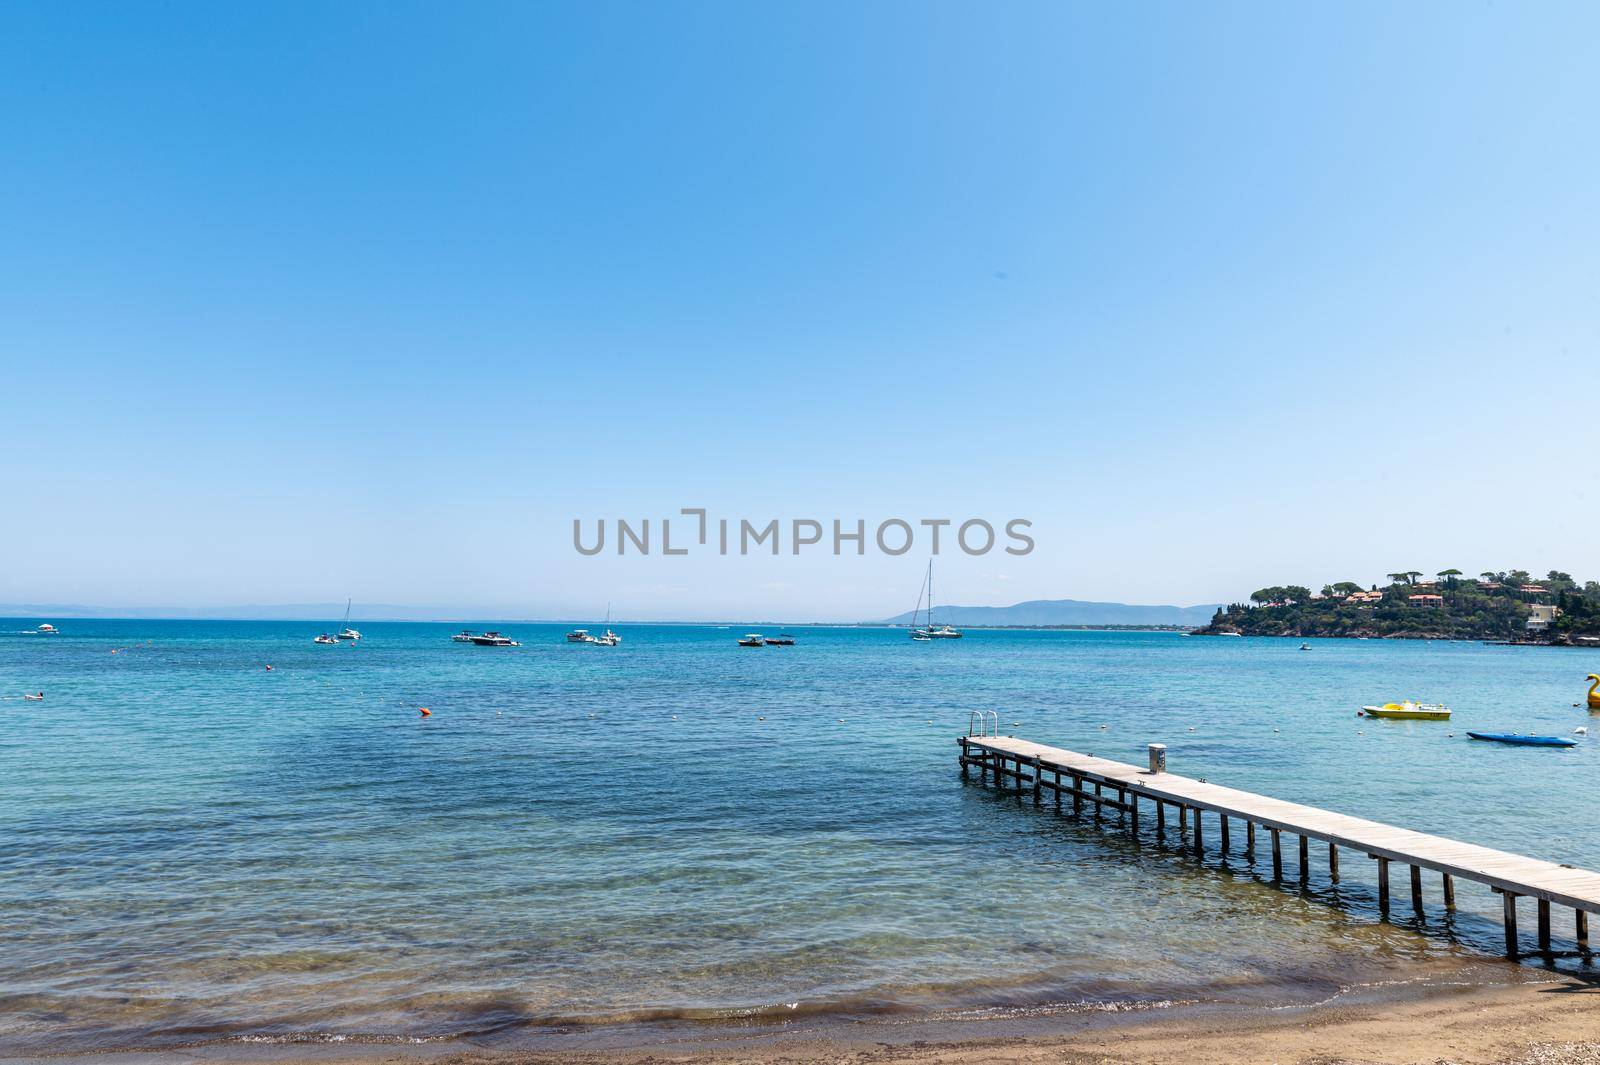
x,y
1067,612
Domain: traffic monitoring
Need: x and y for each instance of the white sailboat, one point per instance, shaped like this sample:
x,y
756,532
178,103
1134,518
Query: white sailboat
x,y
610,639
347,633
930,631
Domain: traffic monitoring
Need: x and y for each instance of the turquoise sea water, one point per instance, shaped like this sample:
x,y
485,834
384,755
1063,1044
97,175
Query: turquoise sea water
x,y
195,848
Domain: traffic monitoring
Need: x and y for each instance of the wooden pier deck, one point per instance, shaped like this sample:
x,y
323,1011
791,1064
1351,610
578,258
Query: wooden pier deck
x,y
1086,779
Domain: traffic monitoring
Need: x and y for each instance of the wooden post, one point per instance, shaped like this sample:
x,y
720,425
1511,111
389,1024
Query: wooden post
x,y
1098,805
1383,886
1305,859
1333,861
1058,787
1133,808
1183,820
1250,839
1580,921
964,766
1510,903
1038,771
1449,892
1416,889
1077,794
1161,819
1224,818
1544,926
1277,855
1199,841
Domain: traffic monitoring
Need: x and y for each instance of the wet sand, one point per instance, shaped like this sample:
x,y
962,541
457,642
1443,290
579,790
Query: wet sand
x,y
1541,1019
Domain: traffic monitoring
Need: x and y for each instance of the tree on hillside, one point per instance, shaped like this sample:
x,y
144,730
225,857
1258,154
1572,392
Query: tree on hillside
x,y
1347,588
1491,577
1412,575
1449,577
1398,578
1296,593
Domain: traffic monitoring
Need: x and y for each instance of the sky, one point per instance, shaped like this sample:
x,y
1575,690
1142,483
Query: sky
x,y
301,302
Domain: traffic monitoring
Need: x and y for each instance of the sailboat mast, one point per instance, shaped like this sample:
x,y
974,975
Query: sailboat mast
x,y
930,593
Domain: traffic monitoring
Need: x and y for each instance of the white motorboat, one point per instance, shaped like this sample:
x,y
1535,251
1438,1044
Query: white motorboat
x,y
495,639
325,638
579,636
753,639
464,636
48,629
610,639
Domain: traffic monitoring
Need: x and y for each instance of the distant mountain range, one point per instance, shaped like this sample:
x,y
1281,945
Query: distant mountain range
x,y
1067,612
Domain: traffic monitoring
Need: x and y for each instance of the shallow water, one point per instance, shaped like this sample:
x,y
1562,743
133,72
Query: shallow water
x,y
196,848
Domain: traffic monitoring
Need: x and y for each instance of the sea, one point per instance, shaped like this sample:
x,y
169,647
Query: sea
x,y
219,832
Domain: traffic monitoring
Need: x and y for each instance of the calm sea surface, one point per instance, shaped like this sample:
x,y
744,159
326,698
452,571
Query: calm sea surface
x,y
196,848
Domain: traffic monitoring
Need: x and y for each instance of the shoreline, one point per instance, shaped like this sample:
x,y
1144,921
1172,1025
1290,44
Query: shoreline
x,y
1479,1015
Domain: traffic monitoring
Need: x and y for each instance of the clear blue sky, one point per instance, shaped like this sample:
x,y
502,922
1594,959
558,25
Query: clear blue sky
x,y
302,301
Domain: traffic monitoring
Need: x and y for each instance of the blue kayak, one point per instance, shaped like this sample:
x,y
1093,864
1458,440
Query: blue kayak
x,y
1525,741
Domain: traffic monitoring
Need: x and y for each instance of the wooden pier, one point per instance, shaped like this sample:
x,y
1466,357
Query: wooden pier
x,y
1137,791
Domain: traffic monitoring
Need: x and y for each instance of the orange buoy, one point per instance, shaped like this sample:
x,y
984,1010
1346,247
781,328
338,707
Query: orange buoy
x,y
424,711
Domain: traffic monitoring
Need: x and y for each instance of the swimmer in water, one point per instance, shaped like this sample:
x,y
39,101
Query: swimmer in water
x,y
39,698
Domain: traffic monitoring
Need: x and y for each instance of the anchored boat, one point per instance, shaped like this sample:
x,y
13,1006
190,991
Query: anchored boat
x,y
1410,711
1524,741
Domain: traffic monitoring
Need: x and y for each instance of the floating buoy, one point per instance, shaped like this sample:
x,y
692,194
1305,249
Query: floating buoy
x,y
760,719
424,711
269,669
1102,727
1581,730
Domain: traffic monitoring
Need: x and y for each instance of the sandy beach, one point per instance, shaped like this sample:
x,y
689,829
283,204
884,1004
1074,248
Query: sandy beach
x,y
1540,1020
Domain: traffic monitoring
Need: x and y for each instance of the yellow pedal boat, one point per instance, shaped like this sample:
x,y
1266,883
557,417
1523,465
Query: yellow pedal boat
x,y
1409,710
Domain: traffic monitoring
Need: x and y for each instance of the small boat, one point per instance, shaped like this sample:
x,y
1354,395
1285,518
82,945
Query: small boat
x,y
783,639
1305,647
48,630
1410,711
347,633
1240,634
754,639
579,636
495,639
610,639
325,638
464,636
1529,740
928,630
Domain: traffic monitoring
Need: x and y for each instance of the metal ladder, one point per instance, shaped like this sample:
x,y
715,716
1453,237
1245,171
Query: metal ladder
x,y
978,723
